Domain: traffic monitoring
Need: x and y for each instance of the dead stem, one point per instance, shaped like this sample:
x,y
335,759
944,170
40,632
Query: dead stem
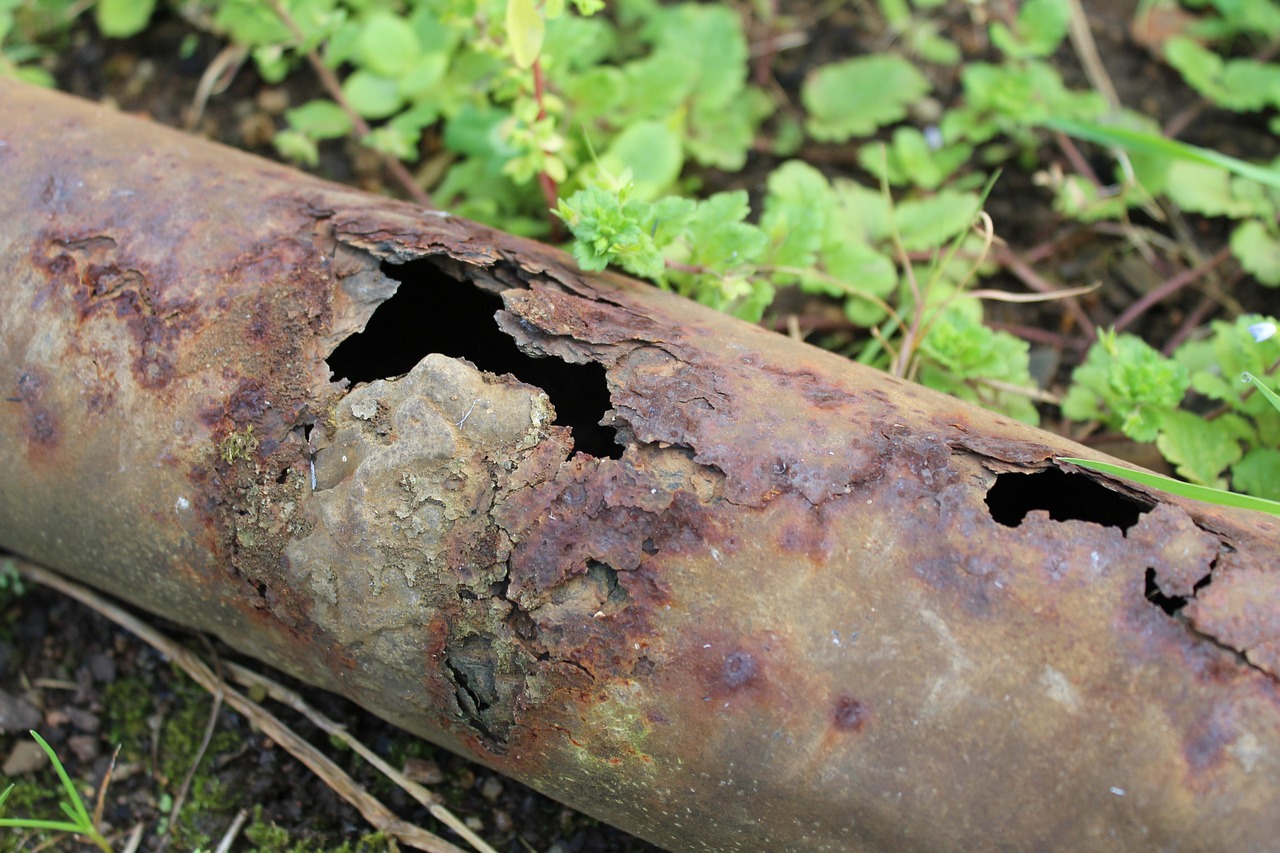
x,y
378,815
1011,261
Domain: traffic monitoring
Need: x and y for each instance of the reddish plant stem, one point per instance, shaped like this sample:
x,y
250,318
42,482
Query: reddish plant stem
x,y
550,191
764,62
687,268
1189,325
1169,287
1077,160
331,85
1041,336
1022,270
1052,246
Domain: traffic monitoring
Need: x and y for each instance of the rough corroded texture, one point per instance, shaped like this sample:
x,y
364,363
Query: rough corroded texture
x,y
792,614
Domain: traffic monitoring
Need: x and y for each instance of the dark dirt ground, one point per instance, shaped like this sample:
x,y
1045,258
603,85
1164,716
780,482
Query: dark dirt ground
x,y
88,686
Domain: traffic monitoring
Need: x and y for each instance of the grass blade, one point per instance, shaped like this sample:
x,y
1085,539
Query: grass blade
x,y
1271,396
77,804
1177,487
1153,143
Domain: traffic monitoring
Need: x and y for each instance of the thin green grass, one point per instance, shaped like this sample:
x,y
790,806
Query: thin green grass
x,y
79,823
1153,143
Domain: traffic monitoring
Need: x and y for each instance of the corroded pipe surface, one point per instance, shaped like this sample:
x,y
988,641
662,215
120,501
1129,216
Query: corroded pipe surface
x,y
719,588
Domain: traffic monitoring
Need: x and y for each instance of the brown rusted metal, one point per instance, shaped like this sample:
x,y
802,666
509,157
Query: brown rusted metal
x,y
799,606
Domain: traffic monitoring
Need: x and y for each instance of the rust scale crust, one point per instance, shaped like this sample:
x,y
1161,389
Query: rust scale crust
x,y
760,599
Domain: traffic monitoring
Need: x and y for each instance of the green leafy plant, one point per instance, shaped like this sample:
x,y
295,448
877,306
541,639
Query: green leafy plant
x,y
78,822
1219,497
1128,386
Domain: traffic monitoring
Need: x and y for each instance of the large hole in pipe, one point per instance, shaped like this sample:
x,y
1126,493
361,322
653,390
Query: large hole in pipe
x,y
432,312
1064,496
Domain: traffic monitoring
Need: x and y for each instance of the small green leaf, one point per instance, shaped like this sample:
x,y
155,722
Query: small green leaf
x,y
653,154
1258,473
1207,190
273,64
720,236
1038,30
797,208
319,119
123,18
1243,85
928,223
609,228
298,147
1199,66
720,135
423,77
959,352
865,272
387,45
1258,251
477,132
393,141
525,31
912,160
1201,449
249,22
857,96
372,95
710,38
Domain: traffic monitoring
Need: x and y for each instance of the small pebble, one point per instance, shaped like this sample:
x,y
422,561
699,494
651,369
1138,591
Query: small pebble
x,y
17,714
423,772
491,789
84,747
25,757
273,101
102,667
84,721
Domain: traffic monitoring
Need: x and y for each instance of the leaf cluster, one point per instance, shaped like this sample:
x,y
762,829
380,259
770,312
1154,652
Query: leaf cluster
x,y
1213,427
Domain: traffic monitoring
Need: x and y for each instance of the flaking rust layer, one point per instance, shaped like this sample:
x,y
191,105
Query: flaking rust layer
x,y
783,618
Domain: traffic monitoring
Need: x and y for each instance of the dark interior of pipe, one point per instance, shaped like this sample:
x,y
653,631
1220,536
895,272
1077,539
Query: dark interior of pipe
x,y
1064,496
432,312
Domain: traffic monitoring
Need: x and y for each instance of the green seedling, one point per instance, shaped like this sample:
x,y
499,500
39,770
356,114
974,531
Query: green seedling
x,y
79,821
1130,387
1220,497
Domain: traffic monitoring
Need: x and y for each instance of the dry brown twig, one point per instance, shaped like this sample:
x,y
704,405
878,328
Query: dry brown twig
x,y
180,798
285,696
373,811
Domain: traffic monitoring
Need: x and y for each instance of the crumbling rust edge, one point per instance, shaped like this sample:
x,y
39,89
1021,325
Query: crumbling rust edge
x,y
787,615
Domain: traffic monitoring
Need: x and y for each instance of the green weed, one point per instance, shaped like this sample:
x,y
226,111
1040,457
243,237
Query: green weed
x,y
1220,497
78,821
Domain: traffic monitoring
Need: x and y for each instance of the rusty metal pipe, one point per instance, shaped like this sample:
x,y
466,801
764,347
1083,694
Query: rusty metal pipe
x,y
722,589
